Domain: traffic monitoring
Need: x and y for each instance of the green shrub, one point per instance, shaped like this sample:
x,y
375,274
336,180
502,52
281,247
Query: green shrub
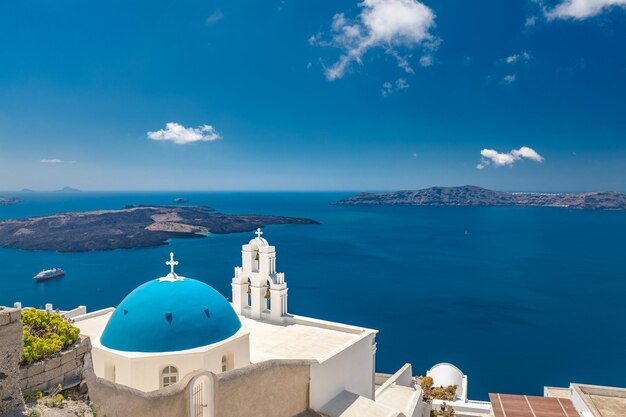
x,y
45,334
30,397
33,412
95,409
445,410
441,393
427,382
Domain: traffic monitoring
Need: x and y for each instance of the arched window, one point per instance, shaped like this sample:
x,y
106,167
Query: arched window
x,y
255,265
169,376
249,293
268,302
227,361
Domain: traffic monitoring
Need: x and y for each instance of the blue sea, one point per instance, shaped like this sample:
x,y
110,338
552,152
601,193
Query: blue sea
x,y
518,298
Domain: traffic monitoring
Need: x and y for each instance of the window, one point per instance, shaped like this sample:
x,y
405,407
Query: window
x,y
249,292
268,297
227,361
169,376
255,265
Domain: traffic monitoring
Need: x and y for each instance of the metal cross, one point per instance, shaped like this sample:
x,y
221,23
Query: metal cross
x,y
172,263
258,232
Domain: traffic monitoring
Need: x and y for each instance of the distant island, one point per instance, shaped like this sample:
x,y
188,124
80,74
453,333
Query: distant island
x,y
180,200
5,201
68,190
470,195
131,227
62,190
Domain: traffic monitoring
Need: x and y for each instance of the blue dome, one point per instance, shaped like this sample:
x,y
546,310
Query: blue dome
x,y
169,315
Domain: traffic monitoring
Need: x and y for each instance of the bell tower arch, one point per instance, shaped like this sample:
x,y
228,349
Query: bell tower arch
x,y
256,280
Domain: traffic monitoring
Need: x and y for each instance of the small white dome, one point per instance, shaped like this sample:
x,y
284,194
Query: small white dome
x,y
444,374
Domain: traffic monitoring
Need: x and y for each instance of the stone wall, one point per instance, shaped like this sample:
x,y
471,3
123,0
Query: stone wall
x,y
116,400
11,346
276,388
65,368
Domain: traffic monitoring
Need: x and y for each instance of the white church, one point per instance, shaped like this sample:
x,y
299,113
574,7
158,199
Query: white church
x,y
175,331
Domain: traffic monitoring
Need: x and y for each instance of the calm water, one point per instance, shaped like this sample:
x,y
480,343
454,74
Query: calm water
x,y
518,298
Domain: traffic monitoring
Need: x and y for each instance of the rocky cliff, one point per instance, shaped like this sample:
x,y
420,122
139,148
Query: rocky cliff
x,y
131,227
470,195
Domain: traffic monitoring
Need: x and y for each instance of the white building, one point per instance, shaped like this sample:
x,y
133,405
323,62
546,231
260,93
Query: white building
x,y
446,374
173,325
177,338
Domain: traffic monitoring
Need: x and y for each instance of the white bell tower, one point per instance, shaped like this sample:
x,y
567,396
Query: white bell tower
x,y
259,292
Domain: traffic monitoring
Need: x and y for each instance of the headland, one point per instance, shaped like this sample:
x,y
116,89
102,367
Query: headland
x,y
470,195
130,227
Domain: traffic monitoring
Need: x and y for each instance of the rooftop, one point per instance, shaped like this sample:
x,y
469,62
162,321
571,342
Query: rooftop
x,y
303,339
506,405
170,314
348,404
398,397
601,401
556,392
92,324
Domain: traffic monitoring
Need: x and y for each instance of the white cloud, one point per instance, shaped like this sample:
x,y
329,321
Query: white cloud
x,y
182,135
388,24
426,60
316,40
403,61
401,84
497,159
530,21
389,88
508,79
51,161
528,153
523,56
215,17
581,9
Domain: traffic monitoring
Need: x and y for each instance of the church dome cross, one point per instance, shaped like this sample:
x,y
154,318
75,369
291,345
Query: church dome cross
x,y
172,275
172,263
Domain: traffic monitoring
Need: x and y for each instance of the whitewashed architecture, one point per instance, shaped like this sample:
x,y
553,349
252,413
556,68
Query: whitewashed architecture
x,y
446,374
259,292
173,325
174,338
165,329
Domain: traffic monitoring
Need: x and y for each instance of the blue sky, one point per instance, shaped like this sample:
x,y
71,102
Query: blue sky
x,y
313,95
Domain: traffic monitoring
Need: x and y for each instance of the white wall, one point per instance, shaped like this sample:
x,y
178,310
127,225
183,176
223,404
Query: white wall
x,y
351,369
143,371
445,374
